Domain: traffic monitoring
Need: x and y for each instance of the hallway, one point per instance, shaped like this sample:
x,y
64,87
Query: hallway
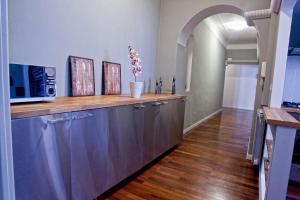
x,y
209,164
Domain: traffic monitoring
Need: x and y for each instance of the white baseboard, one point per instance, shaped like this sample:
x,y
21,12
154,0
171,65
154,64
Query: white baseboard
x,y
185,131
239,107
249,156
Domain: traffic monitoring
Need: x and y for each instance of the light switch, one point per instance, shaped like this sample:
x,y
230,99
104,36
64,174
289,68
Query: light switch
x,y
263,69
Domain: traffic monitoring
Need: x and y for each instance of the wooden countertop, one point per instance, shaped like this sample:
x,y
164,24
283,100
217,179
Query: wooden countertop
x,y
280,117
70,104
292,110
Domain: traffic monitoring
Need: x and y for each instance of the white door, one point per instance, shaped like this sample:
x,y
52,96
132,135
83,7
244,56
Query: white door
x,y
7,190
240,86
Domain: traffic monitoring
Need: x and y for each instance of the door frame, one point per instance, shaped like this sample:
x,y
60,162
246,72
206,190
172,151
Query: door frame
x,y
7,190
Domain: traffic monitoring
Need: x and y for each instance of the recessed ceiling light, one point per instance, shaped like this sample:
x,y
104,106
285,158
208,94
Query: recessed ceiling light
x,y
237,25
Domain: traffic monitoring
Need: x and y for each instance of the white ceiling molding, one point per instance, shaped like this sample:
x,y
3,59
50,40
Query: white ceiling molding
x,y
241,46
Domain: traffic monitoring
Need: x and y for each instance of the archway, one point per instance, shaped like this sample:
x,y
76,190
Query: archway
x,y
199,17
183,73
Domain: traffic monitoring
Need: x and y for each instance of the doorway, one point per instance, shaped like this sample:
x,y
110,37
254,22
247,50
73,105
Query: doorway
x,y
221,67
240,86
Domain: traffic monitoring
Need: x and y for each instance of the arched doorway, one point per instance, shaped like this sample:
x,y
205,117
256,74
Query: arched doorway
x,y
182,73
199,17
183,68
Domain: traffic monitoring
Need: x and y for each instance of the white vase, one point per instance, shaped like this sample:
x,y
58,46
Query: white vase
x,y
136,89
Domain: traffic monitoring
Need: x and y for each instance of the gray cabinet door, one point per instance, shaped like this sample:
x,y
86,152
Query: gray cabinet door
x,y
89,154
41,157
151,133
177,121
163,127
164,135
125,142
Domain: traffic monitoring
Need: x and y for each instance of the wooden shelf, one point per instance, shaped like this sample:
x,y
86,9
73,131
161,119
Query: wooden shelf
x,y
292,110
280,117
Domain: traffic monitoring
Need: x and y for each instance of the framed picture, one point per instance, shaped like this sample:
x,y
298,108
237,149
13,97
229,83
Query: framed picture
x,y
111,78
82,76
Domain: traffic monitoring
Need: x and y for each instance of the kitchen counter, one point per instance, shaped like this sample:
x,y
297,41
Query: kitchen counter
x,y
275,168
100,147
281,117
71,104
292,110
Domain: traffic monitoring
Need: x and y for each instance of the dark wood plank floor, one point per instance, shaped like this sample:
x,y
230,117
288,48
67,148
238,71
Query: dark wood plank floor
x,y
209,164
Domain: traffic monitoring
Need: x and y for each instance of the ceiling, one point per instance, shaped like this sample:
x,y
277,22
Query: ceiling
x,y
221,25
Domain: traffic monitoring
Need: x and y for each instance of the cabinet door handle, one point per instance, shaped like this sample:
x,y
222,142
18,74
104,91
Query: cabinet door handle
x,y
156,104
139,107
58,120
82,116
164,103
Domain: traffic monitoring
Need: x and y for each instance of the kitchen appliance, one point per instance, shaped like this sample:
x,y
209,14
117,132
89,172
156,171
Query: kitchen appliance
x,y
29,83
290,104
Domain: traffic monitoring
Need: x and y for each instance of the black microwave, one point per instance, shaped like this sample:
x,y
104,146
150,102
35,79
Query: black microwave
x,y
30,83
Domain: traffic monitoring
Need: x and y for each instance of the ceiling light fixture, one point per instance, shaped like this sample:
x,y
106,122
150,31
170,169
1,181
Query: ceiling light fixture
x,y
236,25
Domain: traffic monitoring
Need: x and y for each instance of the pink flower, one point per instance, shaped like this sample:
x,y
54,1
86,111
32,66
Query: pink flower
x,y
135,61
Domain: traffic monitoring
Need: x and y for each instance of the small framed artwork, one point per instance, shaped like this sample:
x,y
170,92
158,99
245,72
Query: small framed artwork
x,y
82,76
111,78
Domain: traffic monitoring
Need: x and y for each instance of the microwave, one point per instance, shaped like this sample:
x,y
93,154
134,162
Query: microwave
x,y
29,83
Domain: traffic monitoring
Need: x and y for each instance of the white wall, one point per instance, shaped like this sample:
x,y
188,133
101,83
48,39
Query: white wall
x,y
174,15
240,86
47,32
292,80
207,77
280,55
7,185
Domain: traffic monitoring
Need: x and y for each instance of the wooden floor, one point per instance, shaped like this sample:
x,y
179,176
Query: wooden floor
x,y
209,164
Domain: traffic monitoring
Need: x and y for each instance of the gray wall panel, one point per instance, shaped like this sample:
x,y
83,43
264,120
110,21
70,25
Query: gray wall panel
x,y
208,73
47,32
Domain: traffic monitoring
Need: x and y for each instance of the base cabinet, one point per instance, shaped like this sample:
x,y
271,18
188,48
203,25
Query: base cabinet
x,y
164,133
41,157
89,153
176,121
151,133
80,155
125,142
163,127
